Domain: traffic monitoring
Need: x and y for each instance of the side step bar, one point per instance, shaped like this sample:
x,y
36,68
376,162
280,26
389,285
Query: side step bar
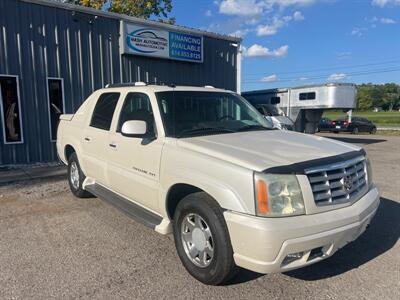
x,y
133,210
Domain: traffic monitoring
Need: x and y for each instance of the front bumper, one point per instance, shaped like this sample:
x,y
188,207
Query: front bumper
x,y
262,244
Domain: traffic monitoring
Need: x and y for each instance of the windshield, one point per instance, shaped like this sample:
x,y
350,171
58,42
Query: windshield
x,y
271,110
191,113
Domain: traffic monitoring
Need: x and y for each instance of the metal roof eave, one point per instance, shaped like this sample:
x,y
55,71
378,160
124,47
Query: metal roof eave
x,y
112,15
285,89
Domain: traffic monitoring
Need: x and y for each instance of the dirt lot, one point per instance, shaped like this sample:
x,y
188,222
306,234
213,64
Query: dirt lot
x,y
53,245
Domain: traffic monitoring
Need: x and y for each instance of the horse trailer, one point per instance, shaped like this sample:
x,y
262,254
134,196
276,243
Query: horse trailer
x,y
305,104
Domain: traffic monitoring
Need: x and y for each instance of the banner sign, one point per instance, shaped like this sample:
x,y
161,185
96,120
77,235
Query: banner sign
x,y
143,40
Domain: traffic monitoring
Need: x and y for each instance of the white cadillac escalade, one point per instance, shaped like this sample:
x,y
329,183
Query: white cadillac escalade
x,y
205,165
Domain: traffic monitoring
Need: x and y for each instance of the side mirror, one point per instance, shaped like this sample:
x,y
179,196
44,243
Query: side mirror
x,y
134,128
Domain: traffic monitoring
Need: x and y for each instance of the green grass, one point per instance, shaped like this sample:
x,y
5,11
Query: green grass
x,y
386,118
388,132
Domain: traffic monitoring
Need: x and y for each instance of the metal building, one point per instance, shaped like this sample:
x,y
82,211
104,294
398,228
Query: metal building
x,y
53,55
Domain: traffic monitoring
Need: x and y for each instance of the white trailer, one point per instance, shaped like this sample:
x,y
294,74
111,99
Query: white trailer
x,y
305,104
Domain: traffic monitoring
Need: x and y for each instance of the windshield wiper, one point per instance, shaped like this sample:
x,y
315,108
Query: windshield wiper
x,y
253,127
205,130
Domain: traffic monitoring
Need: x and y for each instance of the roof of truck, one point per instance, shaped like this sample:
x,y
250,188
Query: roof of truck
x,y
161,88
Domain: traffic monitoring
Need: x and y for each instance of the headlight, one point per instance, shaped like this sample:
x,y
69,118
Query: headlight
x,y
369,172
277,195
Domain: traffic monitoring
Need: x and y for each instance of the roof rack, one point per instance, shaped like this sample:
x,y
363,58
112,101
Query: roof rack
x,y
142,83
126,84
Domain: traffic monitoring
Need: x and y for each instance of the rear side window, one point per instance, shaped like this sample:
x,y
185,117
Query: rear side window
x,y
307,96
104,110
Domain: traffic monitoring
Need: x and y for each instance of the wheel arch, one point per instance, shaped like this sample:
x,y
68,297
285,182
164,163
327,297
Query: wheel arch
x,y
176,193
226,198
68,151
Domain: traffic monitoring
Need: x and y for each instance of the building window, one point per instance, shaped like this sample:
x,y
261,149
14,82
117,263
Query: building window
x,y
307,96
10,110
56,104
104,111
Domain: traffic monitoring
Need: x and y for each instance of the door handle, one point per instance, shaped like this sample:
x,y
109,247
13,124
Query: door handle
x,y
112,145
87,139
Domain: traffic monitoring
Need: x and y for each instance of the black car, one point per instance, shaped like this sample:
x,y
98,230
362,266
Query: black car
x,y
325,124
356,125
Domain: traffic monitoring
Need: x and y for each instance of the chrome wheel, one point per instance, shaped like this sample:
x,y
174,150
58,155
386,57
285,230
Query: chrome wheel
x,y
197,240
74,175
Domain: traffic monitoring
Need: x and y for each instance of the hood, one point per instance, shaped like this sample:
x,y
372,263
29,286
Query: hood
x,y
259,150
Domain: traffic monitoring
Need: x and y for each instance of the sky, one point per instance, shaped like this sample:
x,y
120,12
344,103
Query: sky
x,y
300,42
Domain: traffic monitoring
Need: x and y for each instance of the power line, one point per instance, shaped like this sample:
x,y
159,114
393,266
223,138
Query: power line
x,y
325,76
330,68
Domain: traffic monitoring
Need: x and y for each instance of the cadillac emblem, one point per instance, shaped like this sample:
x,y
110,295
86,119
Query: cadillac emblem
x,y
348,182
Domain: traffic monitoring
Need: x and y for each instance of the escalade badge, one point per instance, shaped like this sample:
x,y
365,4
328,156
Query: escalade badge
x,y
348,182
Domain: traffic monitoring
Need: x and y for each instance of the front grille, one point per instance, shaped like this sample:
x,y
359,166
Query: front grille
x,y
340,182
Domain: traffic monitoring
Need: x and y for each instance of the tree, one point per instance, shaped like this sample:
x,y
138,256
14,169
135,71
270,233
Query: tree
x,y
136,8
386,96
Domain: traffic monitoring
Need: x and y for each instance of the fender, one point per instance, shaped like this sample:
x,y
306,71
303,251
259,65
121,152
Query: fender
x,y
234,192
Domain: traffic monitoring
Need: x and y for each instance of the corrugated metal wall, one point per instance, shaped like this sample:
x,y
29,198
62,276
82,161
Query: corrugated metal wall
x,y
38,41
218,68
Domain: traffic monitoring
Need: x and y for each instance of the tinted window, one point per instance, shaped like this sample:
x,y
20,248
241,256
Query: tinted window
x,y
104,110
9,105
307,96
56,106
260,109
137,106
275,100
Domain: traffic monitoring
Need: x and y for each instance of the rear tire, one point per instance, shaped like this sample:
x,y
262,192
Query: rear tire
x,y
373,130
76,177
202,239
355,130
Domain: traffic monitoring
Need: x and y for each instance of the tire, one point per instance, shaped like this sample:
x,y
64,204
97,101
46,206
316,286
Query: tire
x,y
355,130
76,177
212,234
373,130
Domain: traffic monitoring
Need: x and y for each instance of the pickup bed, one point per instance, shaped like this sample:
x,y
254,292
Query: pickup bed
x,y
205,165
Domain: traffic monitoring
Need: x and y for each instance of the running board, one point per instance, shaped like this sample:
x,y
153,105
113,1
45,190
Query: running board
x,y
133,210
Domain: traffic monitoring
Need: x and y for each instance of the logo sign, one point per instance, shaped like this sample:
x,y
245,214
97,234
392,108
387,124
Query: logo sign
x,y
141,40
348,182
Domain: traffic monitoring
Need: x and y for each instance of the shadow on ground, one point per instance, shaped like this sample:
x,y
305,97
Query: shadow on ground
x,y
380,237
364,141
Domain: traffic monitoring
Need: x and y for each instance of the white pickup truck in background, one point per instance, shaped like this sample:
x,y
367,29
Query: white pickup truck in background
x,y
205,165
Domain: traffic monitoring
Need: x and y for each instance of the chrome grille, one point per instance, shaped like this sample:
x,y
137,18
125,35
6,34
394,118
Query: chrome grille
x,y
340,182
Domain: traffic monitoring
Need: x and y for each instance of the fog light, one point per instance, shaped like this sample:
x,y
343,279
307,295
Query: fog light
x,y
292,257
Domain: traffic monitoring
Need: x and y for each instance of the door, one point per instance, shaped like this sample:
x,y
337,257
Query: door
x,y
134,163
96,137
366,125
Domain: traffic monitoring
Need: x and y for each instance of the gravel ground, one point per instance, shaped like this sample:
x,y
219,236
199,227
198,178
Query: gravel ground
x,y
53,245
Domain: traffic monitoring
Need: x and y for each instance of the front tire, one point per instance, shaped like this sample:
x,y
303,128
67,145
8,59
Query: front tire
x,y
76,177
202,239
373,130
